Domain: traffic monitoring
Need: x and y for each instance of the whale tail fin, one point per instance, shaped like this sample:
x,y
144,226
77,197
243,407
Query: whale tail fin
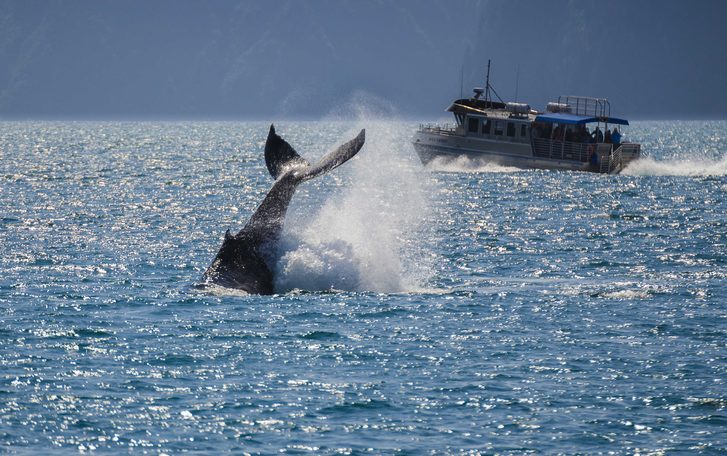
x,y
335,158
280,156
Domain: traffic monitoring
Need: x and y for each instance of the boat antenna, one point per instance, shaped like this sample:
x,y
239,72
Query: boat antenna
x,y
488,87
461,81
487,83
517,81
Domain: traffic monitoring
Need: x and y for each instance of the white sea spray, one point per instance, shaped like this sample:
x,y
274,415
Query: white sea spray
x,y
469,165
677,167
364,236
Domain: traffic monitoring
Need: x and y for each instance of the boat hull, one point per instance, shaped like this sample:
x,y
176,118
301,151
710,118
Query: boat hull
x,y
430,146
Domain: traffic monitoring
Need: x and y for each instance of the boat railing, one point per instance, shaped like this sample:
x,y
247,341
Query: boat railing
x,y
586,106
623,155
437,128
630,151
566,150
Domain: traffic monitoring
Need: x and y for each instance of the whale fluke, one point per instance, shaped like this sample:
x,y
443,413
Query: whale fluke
x,y
335,158
279,155
244,260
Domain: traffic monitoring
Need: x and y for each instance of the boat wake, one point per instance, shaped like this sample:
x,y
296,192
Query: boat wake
x,y
675,167
468,165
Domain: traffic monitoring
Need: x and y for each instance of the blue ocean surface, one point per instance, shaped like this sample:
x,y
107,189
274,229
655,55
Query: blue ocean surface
x,y
460,309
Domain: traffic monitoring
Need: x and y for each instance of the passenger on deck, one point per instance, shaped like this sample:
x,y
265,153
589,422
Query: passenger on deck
x,y
584,135
607,136
557,133
616,136
568,135
597,135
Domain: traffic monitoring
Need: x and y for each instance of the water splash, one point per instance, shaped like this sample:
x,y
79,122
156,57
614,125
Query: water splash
x,y
363,107
364,238
677,167
468,165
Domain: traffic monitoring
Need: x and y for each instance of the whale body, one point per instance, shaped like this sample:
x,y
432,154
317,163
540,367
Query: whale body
x,y
246,260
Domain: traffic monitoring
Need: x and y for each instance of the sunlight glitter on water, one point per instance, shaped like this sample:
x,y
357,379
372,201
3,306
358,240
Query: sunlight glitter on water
x,y
532,311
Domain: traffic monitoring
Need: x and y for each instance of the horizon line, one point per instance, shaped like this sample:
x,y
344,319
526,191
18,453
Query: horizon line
x,y
407,118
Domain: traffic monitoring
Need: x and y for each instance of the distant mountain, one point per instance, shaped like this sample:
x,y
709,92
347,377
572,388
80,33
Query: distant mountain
x,y
650,58
297,58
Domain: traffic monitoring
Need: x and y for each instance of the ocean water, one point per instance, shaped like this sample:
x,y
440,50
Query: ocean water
x,y
462,309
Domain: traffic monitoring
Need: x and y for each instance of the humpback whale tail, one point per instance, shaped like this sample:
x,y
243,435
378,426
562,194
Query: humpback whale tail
x,y
280,157
244,260
290,169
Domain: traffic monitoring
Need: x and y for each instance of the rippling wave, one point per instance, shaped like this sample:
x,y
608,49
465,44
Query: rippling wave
x,y
446,310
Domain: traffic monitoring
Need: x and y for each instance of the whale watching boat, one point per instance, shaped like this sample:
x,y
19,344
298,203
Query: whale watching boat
x,y
572,134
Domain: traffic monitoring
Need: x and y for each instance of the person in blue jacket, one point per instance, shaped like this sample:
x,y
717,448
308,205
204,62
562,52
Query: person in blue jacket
x,y
616,136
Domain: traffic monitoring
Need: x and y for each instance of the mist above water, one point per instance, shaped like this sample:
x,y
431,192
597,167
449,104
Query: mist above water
x,y
365,235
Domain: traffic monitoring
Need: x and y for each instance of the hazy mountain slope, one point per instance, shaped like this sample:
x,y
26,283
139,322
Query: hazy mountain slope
x,y
225,58
657,59
253,59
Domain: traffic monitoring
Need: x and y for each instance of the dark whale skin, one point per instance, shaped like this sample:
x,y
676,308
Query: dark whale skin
x,y
246,260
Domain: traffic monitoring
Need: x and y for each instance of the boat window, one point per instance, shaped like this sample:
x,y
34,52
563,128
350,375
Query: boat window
x,y
498,128
473,124
510,129
523,130
486,126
